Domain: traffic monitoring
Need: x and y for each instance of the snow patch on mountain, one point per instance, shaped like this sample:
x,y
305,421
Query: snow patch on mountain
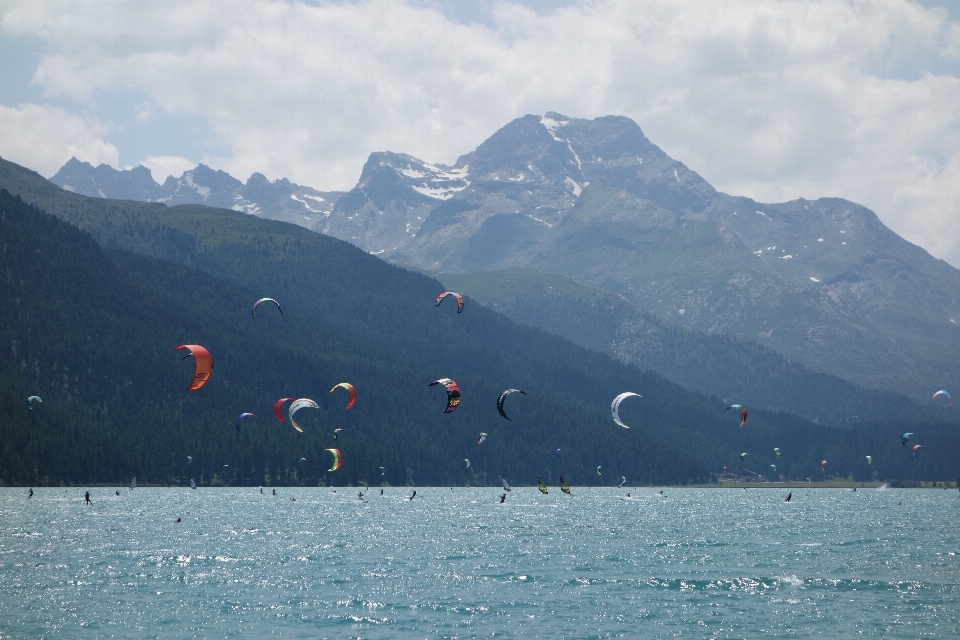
x,y
434,181
203,191
551,125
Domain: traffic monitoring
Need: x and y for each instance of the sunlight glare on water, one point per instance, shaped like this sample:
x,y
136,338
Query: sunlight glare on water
x,y
699,563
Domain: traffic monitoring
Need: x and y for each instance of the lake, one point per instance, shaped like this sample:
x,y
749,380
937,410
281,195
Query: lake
x,y
311,563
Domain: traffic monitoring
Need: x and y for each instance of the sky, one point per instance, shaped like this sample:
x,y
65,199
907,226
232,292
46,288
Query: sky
x,y
773,100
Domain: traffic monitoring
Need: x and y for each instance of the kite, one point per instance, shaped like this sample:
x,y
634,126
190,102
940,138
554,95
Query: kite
x,y
742,456
503,397
257,304
914,449
773,467
31,400
905,438
869,459
558,452
776,452
278,406
453,393
337,458
823,463
598,470
483,436
236,425
202,365
743,413
615,406
302,403
467,460
350,390
451,293
335,432
943,393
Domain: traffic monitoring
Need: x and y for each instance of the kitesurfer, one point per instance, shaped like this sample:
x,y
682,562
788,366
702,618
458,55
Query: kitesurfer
x,y
117,492
30,495
789,496
261,490
177,521
503,498
381,491
360,495
413,496
87,498
274,492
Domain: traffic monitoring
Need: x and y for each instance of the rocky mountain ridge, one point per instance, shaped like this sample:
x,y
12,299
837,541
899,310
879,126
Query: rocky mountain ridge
x,y
823,282
277,200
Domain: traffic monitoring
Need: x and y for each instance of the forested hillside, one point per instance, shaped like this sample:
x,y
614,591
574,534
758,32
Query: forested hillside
x,y
93,333
730,367
350,316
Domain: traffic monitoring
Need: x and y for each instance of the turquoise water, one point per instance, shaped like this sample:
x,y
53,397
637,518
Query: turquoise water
x,y
694,563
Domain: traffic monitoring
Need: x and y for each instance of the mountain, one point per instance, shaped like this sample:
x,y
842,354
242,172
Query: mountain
x,y
277,200
732,368
373,316
823,282
92,331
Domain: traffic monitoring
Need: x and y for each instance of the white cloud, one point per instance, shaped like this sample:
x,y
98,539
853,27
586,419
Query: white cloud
x,y
163,166
772,100
43,138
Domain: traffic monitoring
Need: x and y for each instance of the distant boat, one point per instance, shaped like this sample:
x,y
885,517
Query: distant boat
x,y
133,483
193,485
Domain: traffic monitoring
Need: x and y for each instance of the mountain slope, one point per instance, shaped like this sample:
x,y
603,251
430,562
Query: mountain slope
x,y
92,332
277,200
731,368
823,282
337,285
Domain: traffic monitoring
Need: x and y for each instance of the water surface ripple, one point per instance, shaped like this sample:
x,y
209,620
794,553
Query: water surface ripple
x,y
693,563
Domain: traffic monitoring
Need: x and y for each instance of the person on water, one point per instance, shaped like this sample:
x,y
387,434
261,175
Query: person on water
x,y
261,490
360,495
503,498
381,491
117,492
274,492
789,495
177,520
87,498
30,495
413,496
